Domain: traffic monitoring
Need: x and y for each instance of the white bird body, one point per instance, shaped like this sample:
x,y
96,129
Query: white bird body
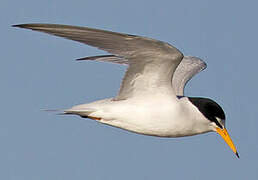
x,y
158,116
151,98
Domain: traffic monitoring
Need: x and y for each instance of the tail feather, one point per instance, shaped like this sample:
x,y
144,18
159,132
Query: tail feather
x,y
58,111
79,111
83,112
52,110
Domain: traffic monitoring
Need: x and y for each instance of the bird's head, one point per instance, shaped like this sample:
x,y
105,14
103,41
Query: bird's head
x,y
216,116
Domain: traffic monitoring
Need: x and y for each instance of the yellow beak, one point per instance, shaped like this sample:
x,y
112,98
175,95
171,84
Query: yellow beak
x,y
224,134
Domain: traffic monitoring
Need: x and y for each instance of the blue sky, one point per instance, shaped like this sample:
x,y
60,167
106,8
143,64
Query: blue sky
x,y
39,71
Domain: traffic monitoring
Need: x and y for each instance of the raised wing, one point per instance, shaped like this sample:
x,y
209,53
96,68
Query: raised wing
x,y
151,62
188,67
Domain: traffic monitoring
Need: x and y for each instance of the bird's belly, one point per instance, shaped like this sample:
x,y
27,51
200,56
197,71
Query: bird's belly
x,y
162,121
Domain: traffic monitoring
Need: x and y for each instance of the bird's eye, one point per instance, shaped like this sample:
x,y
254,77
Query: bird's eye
x,y
219,123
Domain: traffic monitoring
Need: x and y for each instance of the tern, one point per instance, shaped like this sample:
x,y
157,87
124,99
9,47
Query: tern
x,y
151,98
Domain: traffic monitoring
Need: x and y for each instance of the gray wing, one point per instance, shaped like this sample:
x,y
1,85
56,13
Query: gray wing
x,y
106,58
151,63
188,67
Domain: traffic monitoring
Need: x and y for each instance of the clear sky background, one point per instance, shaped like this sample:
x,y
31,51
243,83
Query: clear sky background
x,y
38,71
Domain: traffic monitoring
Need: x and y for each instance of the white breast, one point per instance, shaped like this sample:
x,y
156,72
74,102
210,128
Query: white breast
x,y
156,117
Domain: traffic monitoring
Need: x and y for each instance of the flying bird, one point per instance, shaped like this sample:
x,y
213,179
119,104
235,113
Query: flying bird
x,y
151,98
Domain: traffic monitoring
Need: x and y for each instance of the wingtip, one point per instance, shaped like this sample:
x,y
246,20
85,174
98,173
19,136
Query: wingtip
x,y
20,25
81,59
28,26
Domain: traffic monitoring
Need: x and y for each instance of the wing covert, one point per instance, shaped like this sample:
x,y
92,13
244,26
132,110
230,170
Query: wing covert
x,y
188,67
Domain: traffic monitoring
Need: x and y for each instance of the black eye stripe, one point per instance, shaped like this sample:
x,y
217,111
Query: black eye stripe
x,y
217,123
210,109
